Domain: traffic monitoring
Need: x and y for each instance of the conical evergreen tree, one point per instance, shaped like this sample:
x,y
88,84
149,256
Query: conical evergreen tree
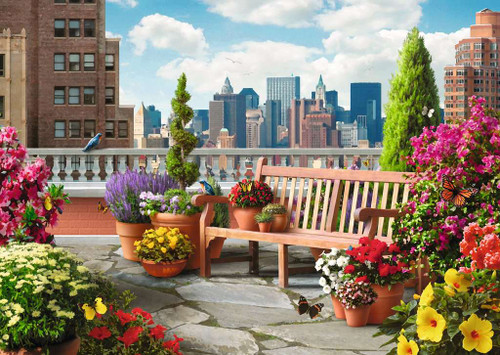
x,y
413,89
186,173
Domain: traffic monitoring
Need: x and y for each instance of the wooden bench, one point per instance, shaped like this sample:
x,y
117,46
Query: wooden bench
x,y
328,222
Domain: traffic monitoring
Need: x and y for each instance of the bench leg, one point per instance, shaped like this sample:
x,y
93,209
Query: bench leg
x,y
253,249
205,264
283,265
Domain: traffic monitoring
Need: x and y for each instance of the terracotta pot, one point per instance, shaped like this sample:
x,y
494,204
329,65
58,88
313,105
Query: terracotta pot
x,y
69,347
357,317
265,227
382,308
189,225
280,223
316,253
164,269
338,308
245,217
129,233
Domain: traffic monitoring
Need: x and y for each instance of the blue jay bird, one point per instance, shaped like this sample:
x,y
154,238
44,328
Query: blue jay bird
x,y
207,188
93,143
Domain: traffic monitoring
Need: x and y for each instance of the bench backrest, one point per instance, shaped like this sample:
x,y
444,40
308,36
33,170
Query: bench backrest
x,y
325,199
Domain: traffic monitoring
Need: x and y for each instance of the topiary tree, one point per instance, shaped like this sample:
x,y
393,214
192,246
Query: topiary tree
x,y
412,89
186,173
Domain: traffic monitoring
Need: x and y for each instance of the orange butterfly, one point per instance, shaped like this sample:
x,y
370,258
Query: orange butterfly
x,y
457,196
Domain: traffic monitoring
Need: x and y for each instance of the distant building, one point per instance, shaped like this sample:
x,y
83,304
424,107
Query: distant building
x,y
154,141
284,89
272,119
366,99
332,98
216,119
251,98
316,130
298,111
321,91
147,120
224,140
362,128
348,133
200,121
342,115
255,120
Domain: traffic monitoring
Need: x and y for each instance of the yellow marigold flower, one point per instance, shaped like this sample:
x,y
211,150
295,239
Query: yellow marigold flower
x,y
405,347
427,296
173,243
151,245
138,248
493,307
161,240
450,291
99,306
163,249
456,280
137,242
430,324
161,231
477,334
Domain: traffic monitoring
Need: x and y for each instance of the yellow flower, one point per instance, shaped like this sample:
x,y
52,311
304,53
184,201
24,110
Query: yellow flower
x,y
450,291
137,242
161,231
163,249
161,240
89,312
427,296
456,280
430,324
405,347
477,334
99,306
151,245
138,248
493,307
416,296
173,243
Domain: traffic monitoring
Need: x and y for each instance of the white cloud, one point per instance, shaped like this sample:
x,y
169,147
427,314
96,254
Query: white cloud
x,y
288,13
110,34
125,3
165,32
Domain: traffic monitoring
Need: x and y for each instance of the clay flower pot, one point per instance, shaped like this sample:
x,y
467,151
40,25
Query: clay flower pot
x,y
129,233
69,347
280,223
265,227
164,269
245,217
338,308
382,308
357,317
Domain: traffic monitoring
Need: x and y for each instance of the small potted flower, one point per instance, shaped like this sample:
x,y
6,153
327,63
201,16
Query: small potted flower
x,y
264,220
357,298
247,199
332,266
164,252
281,221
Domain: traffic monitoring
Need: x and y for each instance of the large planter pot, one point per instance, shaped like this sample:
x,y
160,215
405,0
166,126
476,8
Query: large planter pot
x,y
338,308
382,308
189,225
265,227
245,217
280,223
69,347
164,269
357,317
129,233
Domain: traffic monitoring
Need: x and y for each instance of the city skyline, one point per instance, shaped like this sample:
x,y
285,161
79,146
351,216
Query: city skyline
x,y
211,40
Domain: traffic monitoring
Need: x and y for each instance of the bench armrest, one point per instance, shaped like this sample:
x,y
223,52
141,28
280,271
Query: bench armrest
x,y
366,213
200,200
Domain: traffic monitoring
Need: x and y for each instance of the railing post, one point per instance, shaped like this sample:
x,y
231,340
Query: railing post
x,y
135,167
82,169
109,167
56,169
122,167
215,167
68,169
229,168
96,169
203,167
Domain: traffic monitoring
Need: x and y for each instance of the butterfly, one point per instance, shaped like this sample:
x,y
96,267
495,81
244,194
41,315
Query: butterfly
x,y
427,112
90,312
313,310
366,163
101,208
458,196
246,187
48,203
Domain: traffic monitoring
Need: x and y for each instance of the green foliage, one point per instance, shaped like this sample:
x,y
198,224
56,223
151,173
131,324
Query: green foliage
x,y
274,208
186,173
264,217
221,218
412,88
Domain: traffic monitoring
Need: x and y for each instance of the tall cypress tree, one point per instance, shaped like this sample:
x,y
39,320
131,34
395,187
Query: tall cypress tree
x,y
412,89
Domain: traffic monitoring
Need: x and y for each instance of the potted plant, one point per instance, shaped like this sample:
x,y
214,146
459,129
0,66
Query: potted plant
x,y
264,220
164,252
379,264
247,199
357,298
281,221
332,266
123,191
41,291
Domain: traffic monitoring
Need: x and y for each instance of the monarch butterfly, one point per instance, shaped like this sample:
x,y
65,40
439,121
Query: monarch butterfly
x,y
99,308
312,310
101,208
246,187
457,196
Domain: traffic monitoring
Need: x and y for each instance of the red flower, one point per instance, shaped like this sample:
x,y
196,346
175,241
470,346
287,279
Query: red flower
x,y
393,248
130,336
157,332
125,317
100,333
362,279
349,269
383,269
144,314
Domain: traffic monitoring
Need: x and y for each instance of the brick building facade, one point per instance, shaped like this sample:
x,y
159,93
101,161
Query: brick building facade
x,y
72,72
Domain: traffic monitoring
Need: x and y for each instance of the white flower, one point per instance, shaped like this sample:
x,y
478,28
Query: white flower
x,y
322,281
36,314
5,337
326,270
334,251
327,289
333,277
332,262
13,321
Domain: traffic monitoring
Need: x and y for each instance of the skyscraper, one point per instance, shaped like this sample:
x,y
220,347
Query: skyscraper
x,y
271,122
200,120
147,121
284,89
251,98
298,111
255,120
365,97
476,70
320,91
332,98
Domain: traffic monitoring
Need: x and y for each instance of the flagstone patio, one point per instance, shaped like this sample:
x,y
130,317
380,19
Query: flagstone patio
x,y
233,312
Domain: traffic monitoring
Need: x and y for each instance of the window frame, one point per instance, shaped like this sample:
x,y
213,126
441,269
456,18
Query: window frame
x,y
109,130
64,34
59,129
93,131
85,62
92,96
73,96
63,61
2,65
79,29
120,129
71,62
108,100
109,68
2,107
59,88
74,129
85,29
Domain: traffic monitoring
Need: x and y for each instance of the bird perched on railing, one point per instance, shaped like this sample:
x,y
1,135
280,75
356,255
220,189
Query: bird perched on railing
x,y
93,143
207,188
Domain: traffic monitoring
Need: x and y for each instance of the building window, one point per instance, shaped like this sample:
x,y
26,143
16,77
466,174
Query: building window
x,y
60,129
110,96
493,55
2,64
110,62
89,62
89,1
448,73
75,1
123,129
74,96
110,129
59,28
59,1
478,72
74,129
74,62
88,129
2,107
89,28
478,55
478,46
461,72
59,96
74,28
89,96
59,62
494,46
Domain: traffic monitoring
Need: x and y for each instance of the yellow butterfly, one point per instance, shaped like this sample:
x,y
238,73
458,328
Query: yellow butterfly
x,y
246,187
366,163
101,208
99,308
48,203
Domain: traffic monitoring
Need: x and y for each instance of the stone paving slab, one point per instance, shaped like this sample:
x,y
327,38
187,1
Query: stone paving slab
x,y
143,280
148,299
273,344
174,317
98,265
300,350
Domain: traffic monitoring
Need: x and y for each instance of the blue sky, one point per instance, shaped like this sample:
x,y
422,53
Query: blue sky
x,y
248,40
